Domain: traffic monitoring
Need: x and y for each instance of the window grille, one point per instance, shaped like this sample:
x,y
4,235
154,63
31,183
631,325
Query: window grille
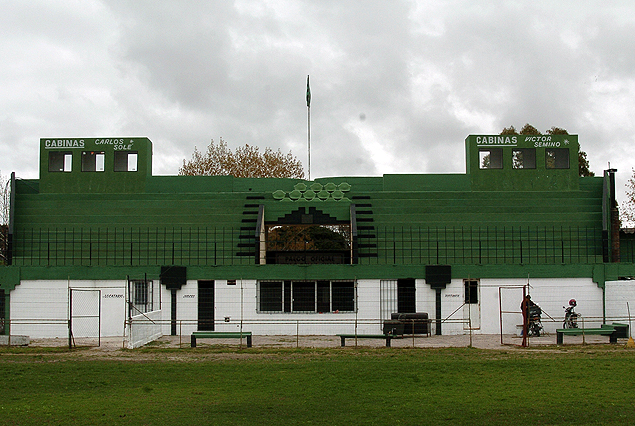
x,y
141,297
306,296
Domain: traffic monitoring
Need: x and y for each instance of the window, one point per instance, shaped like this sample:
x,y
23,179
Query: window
x,y
306,296
93,161
524,158
557,158
491,158
140,296
60,161
471,291
125,161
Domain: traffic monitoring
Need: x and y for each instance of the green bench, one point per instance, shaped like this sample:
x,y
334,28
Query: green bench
x,y
388,337
604,330
221,335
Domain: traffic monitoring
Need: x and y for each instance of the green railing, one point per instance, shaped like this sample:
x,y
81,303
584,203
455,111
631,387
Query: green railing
x,y
399,245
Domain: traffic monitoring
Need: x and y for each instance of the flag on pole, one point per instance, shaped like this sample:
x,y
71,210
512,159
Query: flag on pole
x,y
308,93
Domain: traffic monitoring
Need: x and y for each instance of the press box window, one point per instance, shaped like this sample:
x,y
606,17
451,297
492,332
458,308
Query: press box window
x,y
125,161
491,158
93,161
524,158
557,158
60,161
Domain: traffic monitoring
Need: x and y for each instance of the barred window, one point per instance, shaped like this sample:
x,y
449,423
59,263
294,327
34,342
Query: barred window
x,y
271,296
141,297
306,296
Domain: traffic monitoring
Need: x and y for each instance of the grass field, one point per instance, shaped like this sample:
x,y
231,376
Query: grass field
x,y
213,386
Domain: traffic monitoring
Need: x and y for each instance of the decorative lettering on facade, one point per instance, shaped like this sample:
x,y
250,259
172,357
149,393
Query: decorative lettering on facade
x,y
118,144
537,141
309,258
113,296
497,140
63,143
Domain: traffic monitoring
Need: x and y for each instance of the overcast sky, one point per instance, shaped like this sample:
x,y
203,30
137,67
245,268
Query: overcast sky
x,y
396,85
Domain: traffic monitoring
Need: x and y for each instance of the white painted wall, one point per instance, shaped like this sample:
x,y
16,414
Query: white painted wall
x,y
143,329
550,294
40,308
618,293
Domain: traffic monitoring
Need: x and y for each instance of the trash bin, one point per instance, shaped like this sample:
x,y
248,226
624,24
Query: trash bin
x,y
414,323
621,330
393,327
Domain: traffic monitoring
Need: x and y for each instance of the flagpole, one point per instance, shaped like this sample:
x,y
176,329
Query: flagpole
x,y
309,138
308,106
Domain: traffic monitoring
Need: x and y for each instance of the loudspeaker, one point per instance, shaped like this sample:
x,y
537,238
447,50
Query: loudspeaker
x,y
437,276
173,277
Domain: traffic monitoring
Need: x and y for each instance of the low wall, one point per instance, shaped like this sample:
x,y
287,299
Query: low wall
x,y
143,329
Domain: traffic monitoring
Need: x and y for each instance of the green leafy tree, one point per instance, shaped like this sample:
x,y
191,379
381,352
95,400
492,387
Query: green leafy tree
x,y
246,161
511,130
528,129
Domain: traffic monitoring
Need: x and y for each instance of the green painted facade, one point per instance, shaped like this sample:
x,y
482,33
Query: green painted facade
x,y
514,218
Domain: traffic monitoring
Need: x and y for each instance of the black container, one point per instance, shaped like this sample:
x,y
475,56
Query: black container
x,y
414,323
393,327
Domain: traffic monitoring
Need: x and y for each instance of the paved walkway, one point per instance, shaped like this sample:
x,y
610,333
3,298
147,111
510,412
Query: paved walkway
x,y
482,341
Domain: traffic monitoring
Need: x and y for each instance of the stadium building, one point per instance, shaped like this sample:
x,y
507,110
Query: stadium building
x,y
99,243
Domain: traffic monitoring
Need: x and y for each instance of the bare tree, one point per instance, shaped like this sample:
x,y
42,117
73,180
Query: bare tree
x,y
4,217
627,209
246,161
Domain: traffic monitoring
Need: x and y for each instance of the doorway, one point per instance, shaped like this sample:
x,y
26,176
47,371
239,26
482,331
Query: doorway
x,y
206,305
406,300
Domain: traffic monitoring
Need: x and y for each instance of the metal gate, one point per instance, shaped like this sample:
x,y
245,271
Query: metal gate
x,y
387,298
84,317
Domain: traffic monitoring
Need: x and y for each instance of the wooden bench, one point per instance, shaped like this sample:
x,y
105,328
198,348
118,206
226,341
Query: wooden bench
x,y
604,330
221,335
388,337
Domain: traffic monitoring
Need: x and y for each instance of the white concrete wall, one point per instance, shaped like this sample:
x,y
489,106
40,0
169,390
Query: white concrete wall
x,y
239,303
143,329
618,294
551,294
40,308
